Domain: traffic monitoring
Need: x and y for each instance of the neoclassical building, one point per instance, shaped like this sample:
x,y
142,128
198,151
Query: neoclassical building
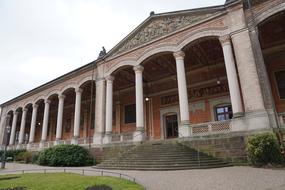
x,y
189,73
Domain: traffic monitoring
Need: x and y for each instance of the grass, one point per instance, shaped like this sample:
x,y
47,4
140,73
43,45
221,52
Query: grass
x,y
63,181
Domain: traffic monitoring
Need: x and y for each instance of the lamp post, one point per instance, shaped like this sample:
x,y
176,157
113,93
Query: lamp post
x,y
7,130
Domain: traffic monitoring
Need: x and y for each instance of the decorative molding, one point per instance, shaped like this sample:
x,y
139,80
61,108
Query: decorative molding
x,y
159,27
195,94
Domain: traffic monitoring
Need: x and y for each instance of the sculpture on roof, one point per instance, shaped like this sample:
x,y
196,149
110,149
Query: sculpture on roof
x,y
102,52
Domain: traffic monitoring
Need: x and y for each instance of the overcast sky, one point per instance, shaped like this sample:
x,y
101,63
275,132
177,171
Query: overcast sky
x,y
43,39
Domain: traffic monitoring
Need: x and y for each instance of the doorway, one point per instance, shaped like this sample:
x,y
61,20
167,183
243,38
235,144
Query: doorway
x,y
171,126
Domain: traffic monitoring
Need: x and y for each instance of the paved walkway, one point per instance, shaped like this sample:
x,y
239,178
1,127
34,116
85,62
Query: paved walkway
x,y
230,178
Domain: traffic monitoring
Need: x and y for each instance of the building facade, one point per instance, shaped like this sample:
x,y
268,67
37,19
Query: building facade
x,y
213,70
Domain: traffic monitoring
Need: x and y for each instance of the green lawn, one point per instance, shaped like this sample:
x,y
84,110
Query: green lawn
x,y
63,181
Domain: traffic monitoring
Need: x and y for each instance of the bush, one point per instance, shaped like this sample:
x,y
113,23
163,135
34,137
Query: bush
x,y
264,149
25,157
64,155
11,153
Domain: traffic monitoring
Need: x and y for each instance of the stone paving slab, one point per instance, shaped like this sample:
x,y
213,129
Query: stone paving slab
x,y
229,178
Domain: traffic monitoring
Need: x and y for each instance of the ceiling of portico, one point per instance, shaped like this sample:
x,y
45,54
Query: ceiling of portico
x,y
203,60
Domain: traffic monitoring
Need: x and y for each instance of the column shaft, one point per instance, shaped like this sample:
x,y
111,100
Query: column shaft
x,y
13,130
182,88
109,109
59,117
33,124
99,111
109,104
76,132
232,76
45,121
23,125
139,98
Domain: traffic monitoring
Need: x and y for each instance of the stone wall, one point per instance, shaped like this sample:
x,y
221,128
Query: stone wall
x,y
226,147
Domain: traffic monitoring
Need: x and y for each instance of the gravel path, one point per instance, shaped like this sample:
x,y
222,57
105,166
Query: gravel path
x,y
230,178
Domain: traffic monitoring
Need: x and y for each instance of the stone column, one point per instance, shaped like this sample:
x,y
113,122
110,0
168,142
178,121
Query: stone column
x,y
13,130
109,110
138,135
232,76
184,129
118,116
76,131
23,125
99,111
45,122
250,86
33,123
59,117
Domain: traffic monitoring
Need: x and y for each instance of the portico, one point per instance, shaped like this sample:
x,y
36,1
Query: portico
x,y
178,75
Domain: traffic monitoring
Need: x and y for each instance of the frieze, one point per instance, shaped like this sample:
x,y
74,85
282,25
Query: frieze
x,y
196,93
159,27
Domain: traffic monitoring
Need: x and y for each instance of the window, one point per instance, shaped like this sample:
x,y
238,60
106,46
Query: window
x,y
224,113
280,79
130,113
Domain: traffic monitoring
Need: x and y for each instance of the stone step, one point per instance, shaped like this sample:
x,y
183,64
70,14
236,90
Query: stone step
x,y
162,156
162,169
165,163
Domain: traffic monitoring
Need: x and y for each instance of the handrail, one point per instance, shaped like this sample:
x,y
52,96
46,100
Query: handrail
x,y
71,170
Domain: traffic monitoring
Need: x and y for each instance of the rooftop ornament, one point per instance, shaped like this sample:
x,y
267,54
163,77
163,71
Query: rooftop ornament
x,y
102,53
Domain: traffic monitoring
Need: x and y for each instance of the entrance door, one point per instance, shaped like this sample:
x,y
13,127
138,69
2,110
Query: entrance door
x,y
171,126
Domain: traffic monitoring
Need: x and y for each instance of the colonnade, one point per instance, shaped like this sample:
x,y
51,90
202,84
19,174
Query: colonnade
x,y
104,98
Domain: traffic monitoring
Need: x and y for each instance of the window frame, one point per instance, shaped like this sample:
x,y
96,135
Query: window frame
x,y
224,113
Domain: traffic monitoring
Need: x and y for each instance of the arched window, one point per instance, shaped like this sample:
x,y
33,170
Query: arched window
x,y
223,112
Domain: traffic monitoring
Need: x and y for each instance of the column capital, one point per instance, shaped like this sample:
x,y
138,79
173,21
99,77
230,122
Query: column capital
x,y
47,101
78,90
109,78
25,109
15,113
138,68
224,40
179,55
35,106
98,80
61,96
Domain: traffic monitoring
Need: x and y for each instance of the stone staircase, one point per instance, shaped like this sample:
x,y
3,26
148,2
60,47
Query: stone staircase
x,y
162,156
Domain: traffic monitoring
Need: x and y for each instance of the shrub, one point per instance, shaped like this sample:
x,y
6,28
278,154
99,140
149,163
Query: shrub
x,y
64,155
264,149
25,157
11,153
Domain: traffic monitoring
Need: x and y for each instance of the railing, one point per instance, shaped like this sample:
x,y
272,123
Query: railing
x,y
211,128
121,137
196,130
88,172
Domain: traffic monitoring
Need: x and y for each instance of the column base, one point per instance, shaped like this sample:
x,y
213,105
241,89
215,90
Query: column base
x,y
239,114
98,139
138,135
184,130
19,147
57,142
29,146
74,140
107,138
42,145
